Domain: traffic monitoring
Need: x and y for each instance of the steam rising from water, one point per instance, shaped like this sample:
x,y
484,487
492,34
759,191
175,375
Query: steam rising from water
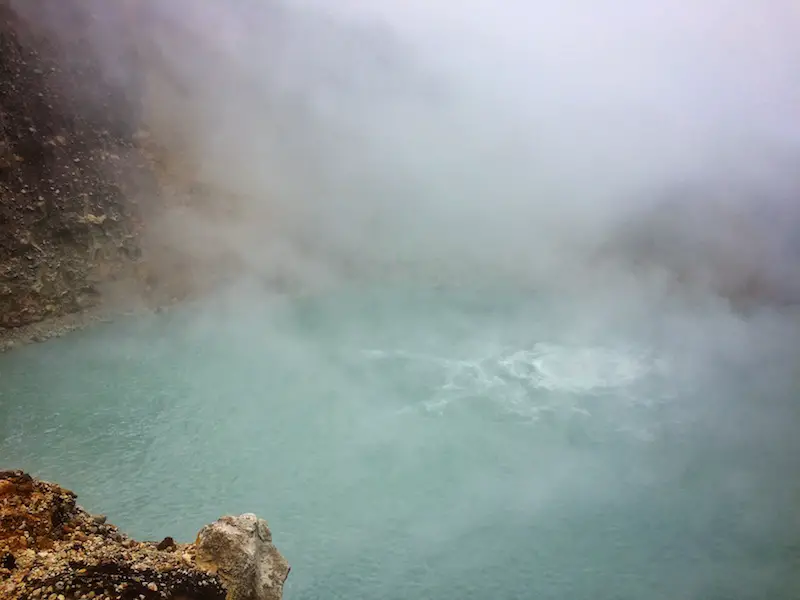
x,y
516,378
606,148
529,140
463,444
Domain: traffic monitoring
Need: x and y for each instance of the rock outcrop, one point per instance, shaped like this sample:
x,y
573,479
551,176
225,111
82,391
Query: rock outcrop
x,y
71,172
240,550
96,190
51,549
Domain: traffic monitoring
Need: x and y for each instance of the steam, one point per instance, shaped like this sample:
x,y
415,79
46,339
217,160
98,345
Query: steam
x,y
509,137
527,140
620,149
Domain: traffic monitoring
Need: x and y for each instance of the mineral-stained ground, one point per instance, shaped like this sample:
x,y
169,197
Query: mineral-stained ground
x,y
52,549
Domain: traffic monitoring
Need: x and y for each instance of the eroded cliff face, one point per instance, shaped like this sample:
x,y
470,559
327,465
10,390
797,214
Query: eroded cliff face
x,y
71,172
84,184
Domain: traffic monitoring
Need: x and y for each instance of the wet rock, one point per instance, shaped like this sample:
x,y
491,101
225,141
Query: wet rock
x,y
241,551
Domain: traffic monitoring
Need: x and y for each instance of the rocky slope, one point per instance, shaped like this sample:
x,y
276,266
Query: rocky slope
x,y
92,203
51,549
70,172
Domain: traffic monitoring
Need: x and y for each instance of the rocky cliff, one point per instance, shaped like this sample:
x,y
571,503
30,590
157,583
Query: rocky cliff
x,y
51,549
95,179
71,172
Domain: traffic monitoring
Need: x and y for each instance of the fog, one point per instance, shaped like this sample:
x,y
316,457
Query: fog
x,y
631,166
542,142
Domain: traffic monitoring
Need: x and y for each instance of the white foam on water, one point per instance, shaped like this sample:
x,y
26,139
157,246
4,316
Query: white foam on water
x,y
583,370
546,379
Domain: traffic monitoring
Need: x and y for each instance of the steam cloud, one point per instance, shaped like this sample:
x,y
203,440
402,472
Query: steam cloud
x,y
616,147
538,141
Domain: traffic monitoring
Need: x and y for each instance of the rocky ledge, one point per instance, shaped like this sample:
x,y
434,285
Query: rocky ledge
x,y
52,549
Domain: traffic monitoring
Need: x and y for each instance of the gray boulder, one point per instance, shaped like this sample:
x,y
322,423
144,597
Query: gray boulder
x,y
240,551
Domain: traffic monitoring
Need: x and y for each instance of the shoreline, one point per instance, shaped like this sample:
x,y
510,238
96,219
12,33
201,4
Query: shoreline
x,y
52,549
111,310
55,327
61,325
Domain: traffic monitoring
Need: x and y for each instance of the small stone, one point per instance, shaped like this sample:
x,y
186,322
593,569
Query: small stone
x,y
99,519
167,542
59,585
152,587
6,488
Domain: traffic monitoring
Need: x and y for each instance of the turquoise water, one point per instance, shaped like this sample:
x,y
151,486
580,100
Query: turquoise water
x,y
444,444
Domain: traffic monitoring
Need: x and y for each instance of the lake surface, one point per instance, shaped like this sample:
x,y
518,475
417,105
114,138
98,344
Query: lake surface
x,y
438,443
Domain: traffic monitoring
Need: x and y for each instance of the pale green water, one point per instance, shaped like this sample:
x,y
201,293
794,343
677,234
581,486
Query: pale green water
x,y
432,444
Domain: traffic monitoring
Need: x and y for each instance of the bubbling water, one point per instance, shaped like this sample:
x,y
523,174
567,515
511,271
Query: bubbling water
x,y
446,444
546,381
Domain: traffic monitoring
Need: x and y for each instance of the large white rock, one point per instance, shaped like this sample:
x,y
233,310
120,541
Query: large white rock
x,y
240,550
